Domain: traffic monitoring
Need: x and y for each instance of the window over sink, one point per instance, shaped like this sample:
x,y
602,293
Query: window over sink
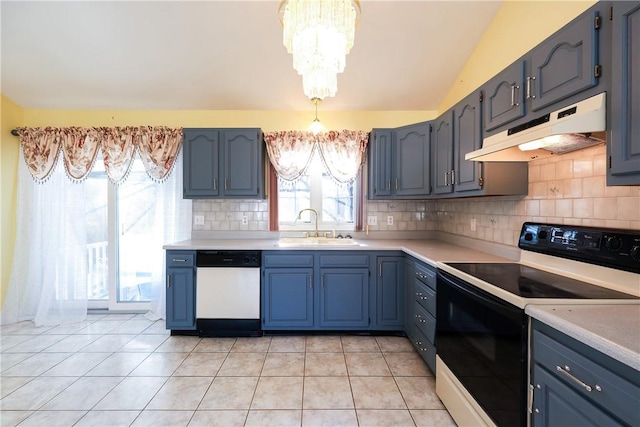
x,y
316,189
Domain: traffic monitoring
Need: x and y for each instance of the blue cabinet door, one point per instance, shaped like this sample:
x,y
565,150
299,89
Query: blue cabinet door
x,y
287,298
243,163
565,63
556,404
412,173
467,137
380,154
200,163
624,144
390,291
504,96
180,299
443,154
344,298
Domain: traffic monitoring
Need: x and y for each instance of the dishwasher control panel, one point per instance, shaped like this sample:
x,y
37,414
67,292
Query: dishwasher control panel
x,y
228,258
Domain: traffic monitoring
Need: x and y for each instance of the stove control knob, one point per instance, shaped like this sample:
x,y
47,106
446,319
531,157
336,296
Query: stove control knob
x,y
635,253
528,237
542,234
612,243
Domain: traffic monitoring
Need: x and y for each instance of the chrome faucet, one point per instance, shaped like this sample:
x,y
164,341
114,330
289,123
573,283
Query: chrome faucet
x,y
316,213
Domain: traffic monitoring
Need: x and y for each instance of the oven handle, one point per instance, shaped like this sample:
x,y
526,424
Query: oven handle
x,y
469,289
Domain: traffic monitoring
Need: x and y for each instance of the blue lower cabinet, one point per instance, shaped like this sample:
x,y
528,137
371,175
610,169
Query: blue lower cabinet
x,y
180,292
181,312
390,292
287,298
344,298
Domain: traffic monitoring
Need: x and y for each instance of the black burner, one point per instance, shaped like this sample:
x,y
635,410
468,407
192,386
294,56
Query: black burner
x,y
528,282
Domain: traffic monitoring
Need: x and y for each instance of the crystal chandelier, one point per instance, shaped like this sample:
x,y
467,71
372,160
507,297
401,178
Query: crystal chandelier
x,y
319,34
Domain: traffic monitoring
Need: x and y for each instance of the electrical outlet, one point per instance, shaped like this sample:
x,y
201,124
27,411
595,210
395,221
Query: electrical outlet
x,y
245,220
198,220
473,224
390,220
372,220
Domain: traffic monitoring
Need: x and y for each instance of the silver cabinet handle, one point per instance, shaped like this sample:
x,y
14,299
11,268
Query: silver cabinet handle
x,y
453,177
446,178
226,183
168,281
396,183
310,282
389,184
566,371
215,183
514,87
178,260
529,87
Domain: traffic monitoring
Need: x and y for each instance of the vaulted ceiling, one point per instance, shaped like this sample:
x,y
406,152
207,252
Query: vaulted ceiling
x,y
226,55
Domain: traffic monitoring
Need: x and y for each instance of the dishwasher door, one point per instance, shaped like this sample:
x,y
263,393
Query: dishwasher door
x,y
228,293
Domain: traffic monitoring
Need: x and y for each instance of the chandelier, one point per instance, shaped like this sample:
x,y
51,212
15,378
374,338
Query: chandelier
x,y
319,34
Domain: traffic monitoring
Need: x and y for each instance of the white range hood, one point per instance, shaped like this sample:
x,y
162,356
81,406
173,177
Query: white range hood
x,y
573,127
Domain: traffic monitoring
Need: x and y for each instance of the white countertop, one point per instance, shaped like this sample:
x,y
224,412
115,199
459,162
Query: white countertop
x,y
611,329
429,251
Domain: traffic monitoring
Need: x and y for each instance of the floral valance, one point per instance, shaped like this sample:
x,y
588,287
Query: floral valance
x,y
342,152
158,147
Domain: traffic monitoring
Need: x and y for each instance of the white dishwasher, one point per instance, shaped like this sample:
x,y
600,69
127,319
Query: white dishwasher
x,y
228,293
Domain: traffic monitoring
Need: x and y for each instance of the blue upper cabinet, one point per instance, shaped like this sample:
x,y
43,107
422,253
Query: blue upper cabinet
x,y
223,163
624,144
201,150
504,96
561,67
443,153
566,63
399,166
467,137
412,171
243,159
380,149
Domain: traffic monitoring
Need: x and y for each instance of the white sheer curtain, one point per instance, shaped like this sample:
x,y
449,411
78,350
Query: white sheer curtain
x,y
48,282
173,224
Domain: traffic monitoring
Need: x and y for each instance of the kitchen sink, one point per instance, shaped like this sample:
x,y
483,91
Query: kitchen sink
x,y
316,241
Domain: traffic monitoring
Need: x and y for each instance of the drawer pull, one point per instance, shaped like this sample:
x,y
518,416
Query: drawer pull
x,y
418,294
566,372
178,260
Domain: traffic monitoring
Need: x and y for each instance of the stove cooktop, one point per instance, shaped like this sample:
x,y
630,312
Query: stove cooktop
x,y
529,282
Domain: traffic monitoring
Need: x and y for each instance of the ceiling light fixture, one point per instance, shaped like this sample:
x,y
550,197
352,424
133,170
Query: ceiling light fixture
x,y
316,127
319,34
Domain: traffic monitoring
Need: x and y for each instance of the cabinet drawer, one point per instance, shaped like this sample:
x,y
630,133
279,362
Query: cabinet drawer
x,y
425,349
425,322
181,259
344,260
608,389
426,275
426,297
289,259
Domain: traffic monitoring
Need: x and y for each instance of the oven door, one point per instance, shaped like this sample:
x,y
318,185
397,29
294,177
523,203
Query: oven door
x,y
483,341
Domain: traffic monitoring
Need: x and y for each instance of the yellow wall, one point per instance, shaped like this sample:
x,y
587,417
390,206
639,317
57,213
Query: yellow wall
x,y
517,27
11,116
267,120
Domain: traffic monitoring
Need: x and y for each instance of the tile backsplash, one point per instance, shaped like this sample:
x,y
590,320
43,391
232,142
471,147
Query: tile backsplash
x,y
566,189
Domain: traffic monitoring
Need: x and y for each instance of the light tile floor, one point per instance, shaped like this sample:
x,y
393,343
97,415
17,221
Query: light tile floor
x,y
124,370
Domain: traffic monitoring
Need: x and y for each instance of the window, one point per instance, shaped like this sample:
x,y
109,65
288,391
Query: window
x,y
334,202
122,225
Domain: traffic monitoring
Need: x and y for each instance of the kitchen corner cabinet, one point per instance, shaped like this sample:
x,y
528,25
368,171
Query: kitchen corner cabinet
x,y
399,166
624,139
223,163
563,65
458,132
389,292
181,292
574,384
